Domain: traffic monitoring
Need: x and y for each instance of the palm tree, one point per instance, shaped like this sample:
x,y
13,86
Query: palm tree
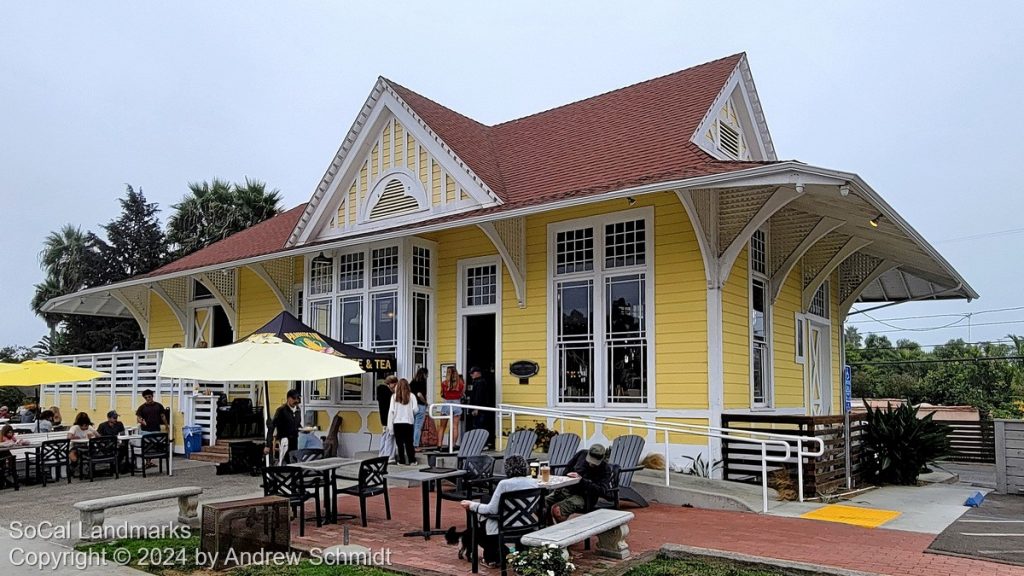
x,y
212,211
66,257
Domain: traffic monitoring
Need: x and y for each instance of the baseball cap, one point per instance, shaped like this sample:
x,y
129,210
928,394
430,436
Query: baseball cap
x,y
475,369
596,454
294,394
112,414
147,392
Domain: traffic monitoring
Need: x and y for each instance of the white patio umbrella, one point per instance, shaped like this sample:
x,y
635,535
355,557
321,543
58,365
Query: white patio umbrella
x,y
258,357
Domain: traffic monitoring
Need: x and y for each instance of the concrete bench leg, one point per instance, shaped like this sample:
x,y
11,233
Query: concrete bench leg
x,y
613,543
91,521
187,506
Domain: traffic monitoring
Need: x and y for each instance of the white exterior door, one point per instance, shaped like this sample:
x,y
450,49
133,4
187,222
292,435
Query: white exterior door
x,y
819,368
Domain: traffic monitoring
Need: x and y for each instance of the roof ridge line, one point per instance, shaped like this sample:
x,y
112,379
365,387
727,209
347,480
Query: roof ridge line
x,y
620,89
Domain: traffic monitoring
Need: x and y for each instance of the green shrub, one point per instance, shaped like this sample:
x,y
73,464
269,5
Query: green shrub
x,y
898,444
544,435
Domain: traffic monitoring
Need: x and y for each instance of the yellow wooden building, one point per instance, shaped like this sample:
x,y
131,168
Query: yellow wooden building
x,y
645,247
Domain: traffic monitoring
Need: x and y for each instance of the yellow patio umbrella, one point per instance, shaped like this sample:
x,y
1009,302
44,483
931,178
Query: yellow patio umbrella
x,y
39,372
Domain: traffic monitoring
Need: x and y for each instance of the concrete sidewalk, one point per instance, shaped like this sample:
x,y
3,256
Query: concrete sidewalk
x,y
37,555
925,509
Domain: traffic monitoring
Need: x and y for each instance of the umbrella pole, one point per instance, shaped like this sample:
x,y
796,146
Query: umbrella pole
x,y
266,416
170,434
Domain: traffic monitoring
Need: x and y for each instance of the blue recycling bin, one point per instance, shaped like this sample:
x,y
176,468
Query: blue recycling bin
x,y
193,439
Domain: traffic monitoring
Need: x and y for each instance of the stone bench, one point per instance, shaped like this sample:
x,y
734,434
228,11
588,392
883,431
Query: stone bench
x,y
92,511
610,527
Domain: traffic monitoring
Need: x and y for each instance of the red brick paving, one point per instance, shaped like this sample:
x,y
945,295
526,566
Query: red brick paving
x,y
878,551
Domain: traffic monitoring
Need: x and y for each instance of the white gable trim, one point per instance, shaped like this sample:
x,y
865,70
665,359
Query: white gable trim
x,y
756,135
383,104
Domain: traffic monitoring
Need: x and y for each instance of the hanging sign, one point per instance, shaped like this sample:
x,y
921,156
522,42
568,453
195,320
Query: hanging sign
x,y
848,387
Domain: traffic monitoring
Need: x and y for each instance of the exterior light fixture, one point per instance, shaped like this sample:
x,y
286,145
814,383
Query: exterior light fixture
x,y
631,200
321,259
844,190
874,221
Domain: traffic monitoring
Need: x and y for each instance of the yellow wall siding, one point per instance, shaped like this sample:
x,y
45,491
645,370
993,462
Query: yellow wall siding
x,y
736,335
164,329
257,303
300,269
788,376
679,284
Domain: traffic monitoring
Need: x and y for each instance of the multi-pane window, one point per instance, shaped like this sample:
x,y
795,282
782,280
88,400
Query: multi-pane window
x,y
760,315
626,338
759,252
819,302
574,251
350,271
384,270
320,320
575,340
601,336
355,297
420,266
321,276
481,285
420,330
624,244
385,325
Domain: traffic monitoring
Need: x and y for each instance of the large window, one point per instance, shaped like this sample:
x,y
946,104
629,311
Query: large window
x,y
760,315
374,297
600,292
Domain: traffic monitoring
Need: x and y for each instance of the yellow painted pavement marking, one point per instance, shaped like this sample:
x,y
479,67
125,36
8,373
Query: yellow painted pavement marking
x,y
866,517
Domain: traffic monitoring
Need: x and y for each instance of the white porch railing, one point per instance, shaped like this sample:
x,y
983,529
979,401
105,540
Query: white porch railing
x,y
664,429
132,372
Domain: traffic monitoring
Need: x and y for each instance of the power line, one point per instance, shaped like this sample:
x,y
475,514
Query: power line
x,y
995,234
924,316
901,329
943,327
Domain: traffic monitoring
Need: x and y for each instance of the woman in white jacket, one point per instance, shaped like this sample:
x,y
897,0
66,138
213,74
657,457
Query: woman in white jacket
x,y
401,421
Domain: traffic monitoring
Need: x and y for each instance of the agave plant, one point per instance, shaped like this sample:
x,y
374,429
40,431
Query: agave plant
x,y
898,444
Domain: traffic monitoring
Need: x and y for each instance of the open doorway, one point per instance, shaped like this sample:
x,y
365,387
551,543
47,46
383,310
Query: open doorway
x,y
479,338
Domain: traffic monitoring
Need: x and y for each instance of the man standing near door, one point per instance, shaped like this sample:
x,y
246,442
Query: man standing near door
x,y
481,393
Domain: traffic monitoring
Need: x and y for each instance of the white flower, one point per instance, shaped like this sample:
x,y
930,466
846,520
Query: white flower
x,y
551,573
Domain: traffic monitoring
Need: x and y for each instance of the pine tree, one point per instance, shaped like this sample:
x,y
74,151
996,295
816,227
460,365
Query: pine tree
x,y
135,242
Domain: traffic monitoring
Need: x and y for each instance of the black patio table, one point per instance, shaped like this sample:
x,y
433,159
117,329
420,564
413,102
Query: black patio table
x,y
425,478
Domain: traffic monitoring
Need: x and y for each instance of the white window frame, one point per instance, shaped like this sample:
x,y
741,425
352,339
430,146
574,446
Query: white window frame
x,y
599,274
769,355
462,311
403,291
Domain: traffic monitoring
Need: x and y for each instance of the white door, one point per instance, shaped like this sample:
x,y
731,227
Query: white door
x,y
819,368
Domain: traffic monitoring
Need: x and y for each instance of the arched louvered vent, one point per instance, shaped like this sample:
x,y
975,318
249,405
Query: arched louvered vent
x,y
393,201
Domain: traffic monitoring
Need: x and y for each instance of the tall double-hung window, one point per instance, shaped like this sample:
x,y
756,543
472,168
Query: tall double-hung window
x,y
760,318
600,295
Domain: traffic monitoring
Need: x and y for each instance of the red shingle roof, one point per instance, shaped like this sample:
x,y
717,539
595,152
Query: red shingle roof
x,y
622,138
264,238
628,137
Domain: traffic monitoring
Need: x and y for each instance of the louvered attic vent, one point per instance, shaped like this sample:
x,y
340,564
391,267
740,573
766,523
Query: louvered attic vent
x,y
393,201
728,139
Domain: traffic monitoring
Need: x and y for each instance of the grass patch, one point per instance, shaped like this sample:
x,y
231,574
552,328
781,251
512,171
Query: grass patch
x,y
177,557
662,566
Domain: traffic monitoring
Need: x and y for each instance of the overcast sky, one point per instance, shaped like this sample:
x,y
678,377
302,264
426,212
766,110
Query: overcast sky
x,y
920,99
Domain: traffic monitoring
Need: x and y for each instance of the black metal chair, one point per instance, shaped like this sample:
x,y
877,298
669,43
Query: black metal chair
x,y
53,454
101,451
519,513
561,450
372,481
625,453
8,470
475,484
150,447
290,483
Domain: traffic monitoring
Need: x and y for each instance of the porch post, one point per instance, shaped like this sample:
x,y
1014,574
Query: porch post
x,y
716,370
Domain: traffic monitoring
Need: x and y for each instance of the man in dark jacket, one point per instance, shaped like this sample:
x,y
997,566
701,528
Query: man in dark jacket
x,y
286,422
591,467
480,393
